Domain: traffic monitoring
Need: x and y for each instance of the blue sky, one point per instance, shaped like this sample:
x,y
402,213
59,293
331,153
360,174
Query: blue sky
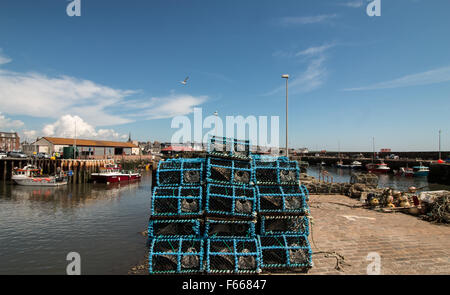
x,y
117,68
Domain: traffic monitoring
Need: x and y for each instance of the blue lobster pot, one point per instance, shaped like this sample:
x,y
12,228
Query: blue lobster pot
x,y
175,172
176,256
231,201
275,171
285,252
229,148
237,255
177,201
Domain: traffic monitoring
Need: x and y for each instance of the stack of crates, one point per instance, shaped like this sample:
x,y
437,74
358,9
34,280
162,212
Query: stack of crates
x,y
174,230
283,215
230,209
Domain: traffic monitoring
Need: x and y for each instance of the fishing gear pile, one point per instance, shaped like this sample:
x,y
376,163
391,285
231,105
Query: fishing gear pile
x,y
232,212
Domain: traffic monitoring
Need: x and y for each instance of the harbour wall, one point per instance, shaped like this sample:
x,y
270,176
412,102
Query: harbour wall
x,y
393,164
439,173
403,155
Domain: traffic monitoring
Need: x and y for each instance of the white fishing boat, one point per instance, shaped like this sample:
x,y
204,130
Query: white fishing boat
x,y
353,165
31,175
356,165
378,168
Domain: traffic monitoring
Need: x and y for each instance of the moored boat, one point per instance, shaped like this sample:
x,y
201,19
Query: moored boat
x,y
112,173
378,168
340,164
356,165
408,172
353,165
30,175
421,170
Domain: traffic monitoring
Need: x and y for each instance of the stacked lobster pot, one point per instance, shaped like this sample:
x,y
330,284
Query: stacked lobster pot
x,y
174,230
230,209
283,215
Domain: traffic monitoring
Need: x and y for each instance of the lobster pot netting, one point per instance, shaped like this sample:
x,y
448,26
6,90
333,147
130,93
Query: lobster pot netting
x,y
178,228
369,179
180,172
285,251
305,191
177,201
228,200
282,199
275,171
176,256
229,229
232,256
278,225
230,148
228,171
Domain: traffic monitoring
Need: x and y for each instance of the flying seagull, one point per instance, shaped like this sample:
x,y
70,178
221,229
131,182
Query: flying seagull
x,y
185,81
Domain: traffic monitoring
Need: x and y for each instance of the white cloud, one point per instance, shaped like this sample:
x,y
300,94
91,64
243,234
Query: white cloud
x,y
169,106
315,50
313,76
4,59
37,95
305,20
8,124
29,135
434,76
353,4
65,127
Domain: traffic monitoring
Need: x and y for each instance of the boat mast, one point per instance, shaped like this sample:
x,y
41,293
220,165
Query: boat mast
x,y
373,148
75,141
440,144
339,149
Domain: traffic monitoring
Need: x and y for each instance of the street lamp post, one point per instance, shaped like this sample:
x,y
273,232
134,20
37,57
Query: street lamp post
x,y
287,78
216,115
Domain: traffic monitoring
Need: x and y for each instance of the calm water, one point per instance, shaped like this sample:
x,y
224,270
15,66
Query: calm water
x,y
39,226
385,180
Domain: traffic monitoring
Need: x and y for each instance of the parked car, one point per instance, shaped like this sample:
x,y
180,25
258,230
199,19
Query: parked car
x,y
16,155
41,156
3,155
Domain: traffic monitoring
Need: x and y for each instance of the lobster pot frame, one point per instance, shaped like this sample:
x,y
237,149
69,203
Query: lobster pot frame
x,y
228,200
229,229
177,228
275,171
232,256
227,171
281,199
176,256
177,201
176,172
229,148
305,191
285,251
279,225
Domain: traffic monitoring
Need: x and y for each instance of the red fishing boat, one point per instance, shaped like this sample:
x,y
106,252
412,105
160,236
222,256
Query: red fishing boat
x,y
112,173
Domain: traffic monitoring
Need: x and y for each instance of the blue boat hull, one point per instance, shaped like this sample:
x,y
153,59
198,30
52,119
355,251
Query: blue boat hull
x,y
421,173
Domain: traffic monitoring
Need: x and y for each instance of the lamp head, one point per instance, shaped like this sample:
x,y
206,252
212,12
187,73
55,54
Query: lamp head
x,y
286,76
